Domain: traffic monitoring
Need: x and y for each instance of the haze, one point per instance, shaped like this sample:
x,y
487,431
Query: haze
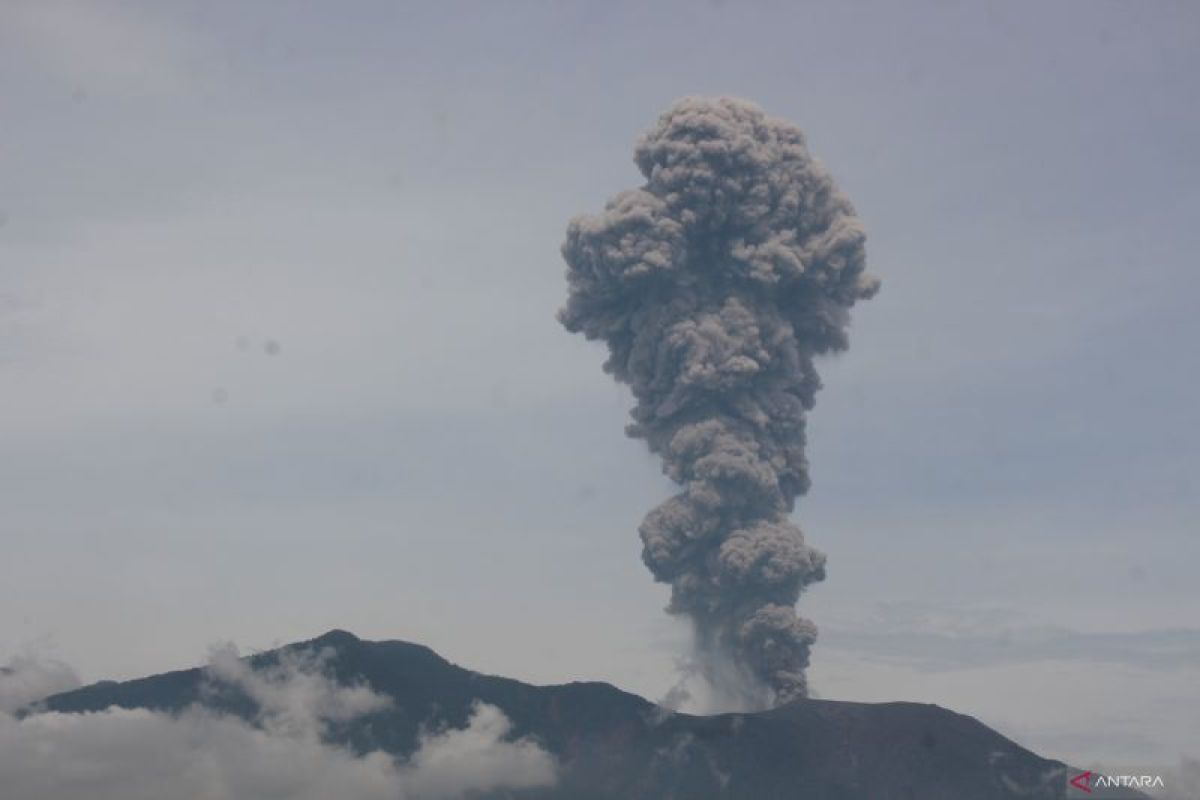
x,y
278,347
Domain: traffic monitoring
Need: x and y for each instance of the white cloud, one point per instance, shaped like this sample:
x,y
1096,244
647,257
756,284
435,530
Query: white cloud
x,y
294,696
475,758
122,754
26,679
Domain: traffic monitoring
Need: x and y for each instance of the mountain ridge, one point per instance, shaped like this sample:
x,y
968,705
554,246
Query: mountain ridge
x,y
614,744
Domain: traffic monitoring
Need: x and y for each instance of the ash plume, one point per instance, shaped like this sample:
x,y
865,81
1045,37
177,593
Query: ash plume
x,y
714,286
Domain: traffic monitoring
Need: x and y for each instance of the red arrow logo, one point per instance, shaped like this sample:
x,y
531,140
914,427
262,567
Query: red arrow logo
x,y
1082,780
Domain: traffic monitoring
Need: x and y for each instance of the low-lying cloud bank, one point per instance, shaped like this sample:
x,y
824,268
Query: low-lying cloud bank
x,y
284,753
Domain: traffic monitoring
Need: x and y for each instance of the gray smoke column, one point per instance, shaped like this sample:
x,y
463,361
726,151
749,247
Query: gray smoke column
x,y
714,286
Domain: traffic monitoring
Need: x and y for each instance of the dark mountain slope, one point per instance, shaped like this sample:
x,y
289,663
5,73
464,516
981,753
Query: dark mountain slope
x,y
617,745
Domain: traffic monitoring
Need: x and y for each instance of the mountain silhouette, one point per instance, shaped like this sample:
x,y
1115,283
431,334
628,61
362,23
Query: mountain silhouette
x,y
613,745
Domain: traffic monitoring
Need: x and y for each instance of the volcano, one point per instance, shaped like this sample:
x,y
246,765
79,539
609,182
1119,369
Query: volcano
x,y
611,744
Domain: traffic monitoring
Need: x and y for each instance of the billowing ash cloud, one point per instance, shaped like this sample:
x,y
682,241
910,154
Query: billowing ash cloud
x,y
714,287
284,752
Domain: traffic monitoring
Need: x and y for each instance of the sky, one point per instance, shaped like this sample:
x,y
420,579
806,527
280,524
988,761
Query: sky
x,y
278,347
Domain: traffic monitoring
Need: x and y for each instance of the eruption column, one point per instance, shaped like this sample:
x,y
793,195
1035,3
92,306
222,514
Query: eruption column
x,y
714,286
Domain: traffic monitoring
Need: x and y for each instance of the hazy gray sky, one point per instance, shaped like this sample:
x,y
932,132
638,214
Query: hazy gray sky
x,y
278,349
